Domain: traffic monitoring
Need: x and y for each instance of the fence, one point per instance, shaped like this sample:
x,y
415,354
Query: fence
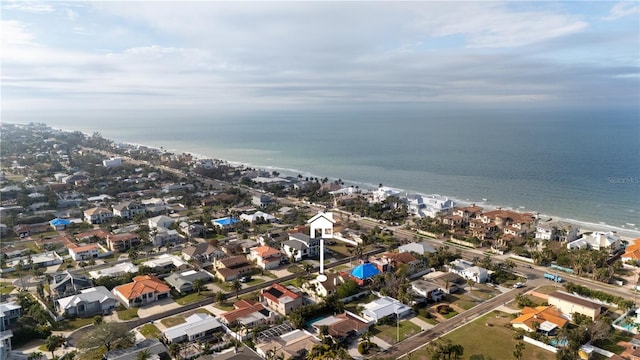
x,y
539,344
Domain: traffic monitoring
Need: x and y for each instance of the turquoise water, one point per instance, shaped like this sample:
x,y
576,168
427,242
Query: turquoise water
x,y
578,164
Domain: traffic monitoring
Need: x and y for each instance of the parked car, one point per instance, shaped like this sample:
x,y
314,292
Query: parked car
x,y
245,279
518,285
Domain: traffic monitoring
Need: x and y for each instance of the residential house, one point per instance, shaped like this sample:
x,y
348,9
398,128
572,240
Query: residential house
x,y
97,215
301,246
66,284
100,234
202,252
183,281
427,289
468,271
430,206
292,345
164,236
114,270
321,225
112,162
232,268
166,263
59,224
128,209
569,304
598,240
143,290
49,258
343,326
85,252
89,302
261,200
510,222
421,248
192,230
283,299
363,272
9,314
248,313
266,257
632,252
384,306
382,193
447,281
225,222
557,231
123,242
152,348
322,289
26,230
258,217
467,213
198,327
543,319
160,221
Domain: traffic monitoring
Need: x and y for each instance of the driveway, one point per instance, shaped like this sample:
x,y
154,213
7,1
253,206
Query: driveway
x,y
157,308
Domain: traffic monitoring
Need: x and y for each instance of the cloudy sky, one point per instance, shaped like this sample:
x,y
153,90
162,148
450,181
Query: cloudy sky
x,y
73,56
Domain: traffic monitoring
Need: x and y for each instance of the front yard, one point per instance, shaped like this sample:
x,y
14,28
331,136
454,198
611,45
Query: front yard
x,y
150,331
6,288
191,298
389,333
127,314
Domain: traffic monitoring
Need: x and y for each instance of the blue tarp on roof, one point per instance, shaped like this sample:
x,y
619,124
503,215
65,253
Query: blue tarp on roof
x,y
365,271
59,222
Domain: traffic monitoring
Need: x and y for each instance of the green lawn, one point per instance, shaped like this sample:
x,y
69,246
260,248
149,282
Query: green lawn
x,y
127,314
294,269
150,331
450,314
389,333
431,321
270,274
255,281
497,340
6,288
173,321
193,297
225,306
340,268
611,343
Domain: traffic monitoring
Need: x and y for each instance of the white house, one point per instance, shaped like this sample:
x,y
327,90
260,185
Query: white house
x,y
258,216
114,270
86,252
165,236
468,271
300,245
97,215
596,241
321,225
429,206
128,209
112,162
557,231
160,221
384,306
418,248
197,326
382,193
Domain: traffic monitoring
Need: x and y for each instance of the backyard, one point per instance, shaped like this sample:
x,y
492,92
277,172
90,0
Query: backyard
x,y
497,340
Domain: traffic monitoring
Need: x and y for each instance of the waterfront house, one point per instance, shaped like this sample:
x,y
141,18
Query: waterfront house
x,y
598,240
143,290
632,253
89,302
557,231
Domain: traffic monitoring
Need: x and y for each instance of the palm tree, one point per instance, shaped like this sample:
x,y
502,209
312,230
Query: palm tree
x,y
36,355
198,285
144,355
53,342
236,286
308,268
470,282
174,350
220,297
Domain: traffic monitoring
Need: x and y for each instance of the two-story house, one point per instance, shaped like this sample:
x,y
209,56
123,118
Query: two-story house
x,y
123,242
265,257
232,268
301,246
83,252
128,209
282,299
97,215
89,302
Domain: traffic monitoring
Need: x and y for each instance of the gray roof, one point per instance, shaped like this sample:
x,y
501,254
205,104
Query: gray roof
x,y
96,294
154,346
196,324
186,277
295,244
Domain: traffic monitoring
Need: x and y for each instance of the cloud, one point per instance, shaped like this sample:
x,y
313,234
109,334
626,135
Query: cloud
x,y
622,9
14,33
71,15
30,7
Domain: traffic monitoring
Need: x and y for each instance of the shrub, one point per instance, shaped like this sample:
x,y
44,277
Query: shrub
x,y
362,349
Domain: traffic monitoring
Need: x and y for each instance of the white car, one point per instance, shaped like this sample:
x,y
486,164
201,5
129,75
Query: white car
x,y
518,285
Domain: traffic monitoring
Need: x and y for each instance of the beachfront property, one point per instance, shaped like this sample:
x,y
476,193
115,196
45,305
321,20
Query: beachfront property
x,y
430,206
557,231
632,253
112,162
143,290
300,246
510,222
282,299
198,327
97,215
461,216
598,240
569,304
382,193
89,302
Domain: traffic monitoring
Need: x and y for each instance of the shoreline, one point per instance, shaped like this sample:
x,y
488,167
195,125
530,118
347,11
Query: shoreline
x,y
585,226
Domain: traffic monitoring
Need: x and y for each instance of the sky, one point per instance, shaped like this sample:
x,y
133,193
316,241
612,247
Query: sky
x,y
156,56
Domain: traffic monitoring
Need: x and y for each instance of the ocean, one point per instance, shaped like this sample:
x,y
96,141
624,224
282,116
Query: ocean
x,y
582,165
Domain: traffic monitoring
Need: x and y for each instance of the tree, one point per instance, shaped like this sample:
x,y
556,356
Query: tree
x,y
144,355
236,286
107,334
133,254
174,350
198,285
36,355
518,351
53,342
470,282
220,297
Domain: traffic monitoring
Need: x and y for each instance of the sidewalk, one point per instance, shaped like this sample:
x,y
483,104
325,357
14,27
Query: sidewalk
x,y
383,345
421,323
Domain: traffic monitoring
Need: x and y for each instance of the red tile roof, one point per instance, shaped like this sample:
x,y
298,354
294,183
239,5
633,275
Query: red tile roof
x,y
141,285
